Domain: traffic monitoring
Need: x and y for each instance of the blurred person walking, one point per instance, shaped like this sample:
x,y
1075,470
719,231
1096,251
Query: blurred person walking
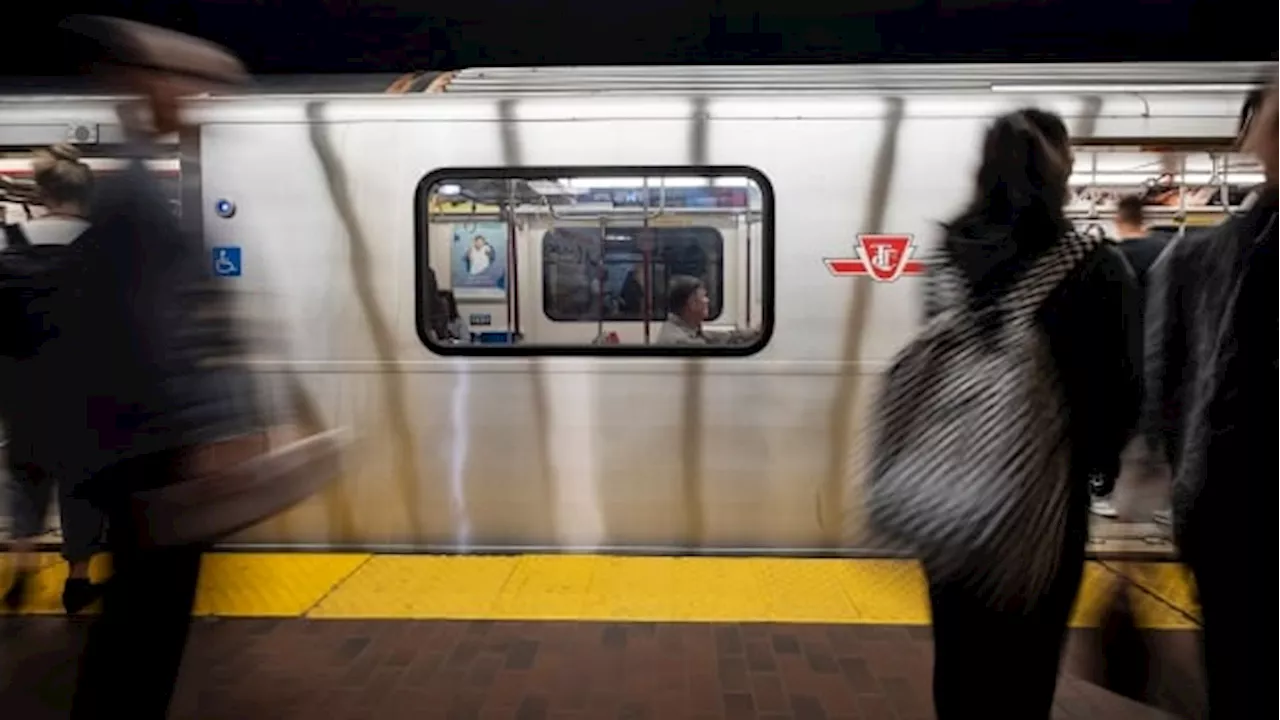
x,y
1020,388
1211,369
157,402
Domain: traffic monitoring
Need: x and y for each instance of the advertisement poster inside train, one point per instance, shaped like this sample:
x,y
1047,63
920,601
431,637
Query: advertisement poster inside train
x,y
479,260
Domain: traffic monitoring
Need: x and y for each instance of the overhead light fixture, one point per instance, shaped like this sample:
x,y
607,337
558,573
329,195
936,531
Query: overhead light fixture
x,y
449,190
1128,89
603,183
670,181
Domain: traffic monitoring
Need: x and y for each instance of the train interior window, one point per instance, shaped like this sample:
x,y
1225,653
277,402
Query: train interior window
x,y
1181,186
594,262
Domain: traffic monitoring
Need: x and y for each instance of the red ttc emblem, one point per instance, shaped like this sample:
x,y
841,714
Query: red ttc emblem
x,y
884,257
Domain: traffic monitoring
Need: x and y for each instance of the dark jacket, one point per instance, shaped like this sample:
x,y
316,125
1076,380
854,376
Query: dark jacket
x,y
41,407
158,329
1142,254
1093,333
1211,365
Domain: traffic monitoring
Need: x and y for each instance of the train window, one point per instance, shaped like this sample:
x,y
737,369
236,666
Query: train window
x,y
598,261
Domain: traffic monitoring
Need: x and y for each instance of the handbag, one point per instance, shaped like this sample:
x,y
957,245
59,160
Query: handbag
x,y
970,464
230,485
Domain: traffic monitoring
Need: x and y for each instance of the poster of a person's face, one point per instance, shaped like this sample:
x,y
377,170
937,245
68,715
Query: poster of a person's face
x,y
479,259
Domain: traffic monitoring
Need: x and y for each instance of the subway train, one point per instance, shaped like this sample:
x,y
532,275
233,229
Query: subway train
x,y
470,271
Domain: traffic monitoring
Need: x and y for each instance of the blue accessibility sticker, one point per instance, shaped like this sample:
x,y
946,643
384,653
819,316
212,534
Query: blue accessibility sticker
x,y
226,262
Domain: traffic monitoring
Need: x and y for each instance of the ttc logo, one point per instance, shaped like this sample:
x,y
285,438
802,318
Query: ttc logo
x,y
884,257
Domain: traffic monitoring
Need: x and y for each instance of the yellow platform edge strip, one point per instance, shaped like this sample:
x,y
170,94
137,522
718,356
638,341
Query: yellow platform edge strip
x,y
605,588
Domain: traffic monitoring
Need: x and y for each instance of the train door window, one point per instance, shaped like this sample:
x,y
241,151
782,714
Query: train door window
x,y
635,261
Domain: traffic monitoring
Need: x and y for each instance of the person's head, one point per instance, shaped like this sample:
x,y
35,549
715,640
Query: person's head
x,y
478,242
1025,168
1259,128
163,66
63,180
1130,216
687,298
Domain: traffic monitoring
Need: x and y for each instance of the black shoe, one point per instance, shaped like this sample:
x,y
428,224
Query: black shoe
x,y
79,594
16,595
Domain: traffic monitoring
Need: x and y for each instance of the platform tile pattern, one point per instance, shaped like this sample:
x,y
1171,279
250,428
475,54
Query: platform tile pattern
x,y
289,669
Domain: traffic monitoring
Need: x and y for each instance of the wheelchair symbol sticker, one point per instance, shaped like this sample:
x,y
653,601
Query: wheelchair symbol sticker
x,y
226,261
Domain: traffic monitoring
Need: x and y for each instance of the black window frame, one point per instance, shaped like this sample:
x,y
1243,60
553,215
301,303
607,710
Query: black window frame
x,y
440,176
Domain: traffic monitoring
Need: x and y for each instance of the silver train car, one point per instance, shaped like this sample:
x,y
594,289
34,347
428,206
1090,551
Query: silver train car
x,y
551,206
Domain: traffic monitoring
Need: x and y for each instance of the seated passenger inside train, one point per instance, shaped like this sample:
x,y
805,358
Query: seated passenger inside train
x,y
437,312
455,329
687,308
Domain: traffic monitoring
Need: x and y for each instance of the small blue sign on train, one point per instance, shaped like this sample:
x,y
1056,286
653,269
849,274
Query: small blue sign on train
x,y
226,262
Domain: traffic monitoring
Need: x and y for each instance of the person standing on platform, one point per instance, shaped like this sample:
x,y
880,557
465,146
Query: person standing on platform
x,y
1140,247
34,394
157,399
1212,389
992,421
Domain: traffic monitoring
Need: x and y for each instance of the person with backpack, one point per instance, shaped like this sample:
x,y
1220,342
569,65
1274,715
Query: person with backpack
x,y
32,395
1211,364
992,420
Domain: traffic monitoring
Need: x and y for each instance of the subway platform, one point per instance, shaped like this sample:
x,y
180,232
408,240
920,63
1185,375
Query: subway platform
x,y
353,635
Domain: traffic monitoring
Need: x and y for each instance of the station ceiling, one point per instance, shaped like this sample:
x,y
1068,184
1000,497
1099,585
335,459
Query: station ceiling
x,y
396,36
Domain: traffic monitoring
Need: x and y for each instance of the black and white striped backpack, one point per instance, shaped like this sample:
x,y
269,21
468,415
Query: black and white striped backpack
x,y
970,458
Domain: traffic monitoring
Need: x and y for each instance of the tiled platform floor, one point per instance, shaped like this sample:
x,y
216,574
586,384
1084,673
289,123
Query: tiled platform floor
x,y
384,669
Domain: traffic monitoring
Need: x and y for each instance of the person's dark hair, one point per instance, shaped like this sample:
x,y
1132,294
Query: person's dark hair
x,y
1130,210
1022,181
679,289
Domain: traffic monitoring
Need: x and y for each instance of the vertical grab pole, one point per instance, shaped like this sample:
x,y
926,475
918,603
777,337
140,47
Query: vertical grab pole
x,y
1225,189
601,276
513,266
747,216
646,278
